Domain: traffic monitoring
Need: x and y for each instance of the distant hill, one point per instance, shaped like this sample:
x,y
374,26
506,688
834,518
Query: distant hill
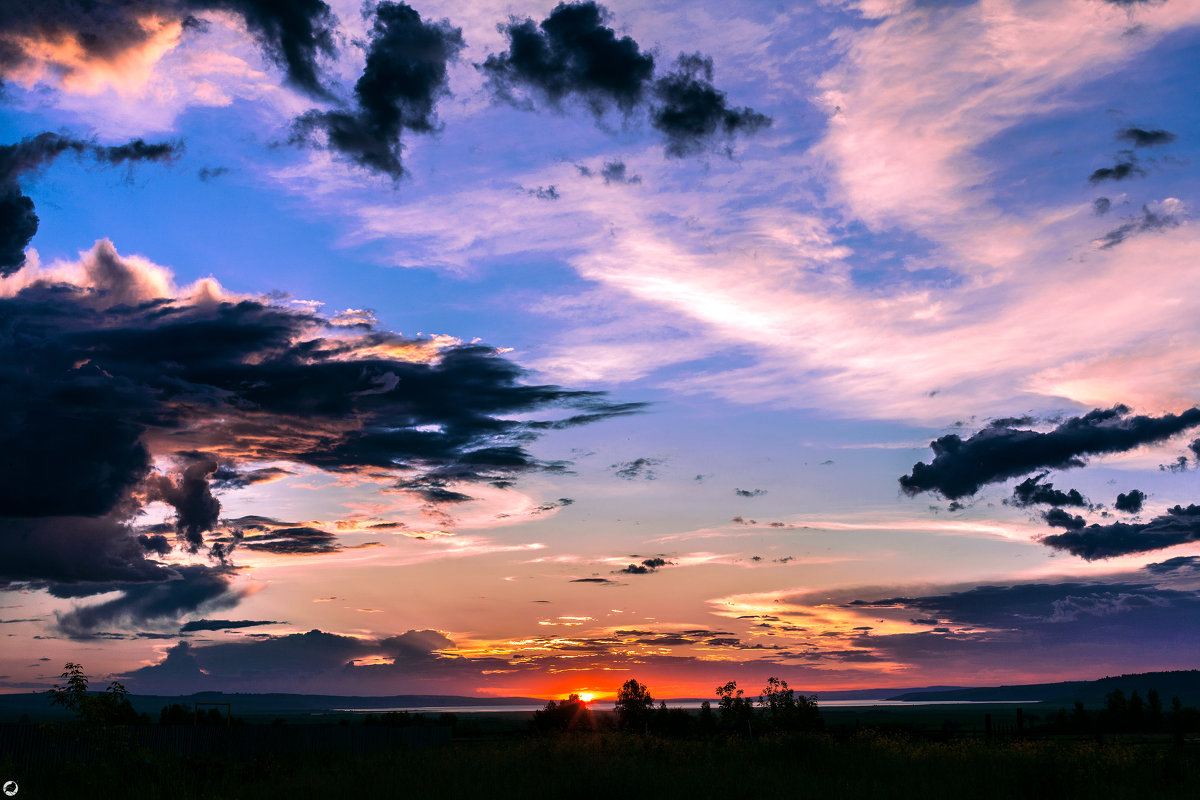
x,y
37,704
1184,684
877,694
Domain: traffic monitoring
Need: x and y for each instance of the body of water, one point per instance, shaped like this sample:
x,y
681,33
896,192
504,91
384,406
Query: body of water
x,y
686,704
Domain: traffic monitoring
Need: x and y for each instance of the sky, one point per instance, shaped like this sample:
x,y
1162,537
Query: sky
x,y
498,348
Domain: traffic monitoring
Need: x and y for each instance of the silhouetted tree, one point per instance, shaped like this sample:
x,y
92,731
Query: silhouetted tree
x,y
1154,711
176,714
1116,704
1135,716
736,712
634,706
673,722
110,707
570,715
782,710
1081,718
706,721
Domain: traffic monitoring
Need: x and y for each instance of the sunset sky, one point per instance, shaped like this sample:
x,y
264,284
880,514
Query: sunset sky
x,y
487,348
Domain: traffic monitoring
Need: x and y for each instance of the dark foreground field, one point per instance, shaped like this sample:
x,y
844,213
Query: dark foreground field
x,y
863,763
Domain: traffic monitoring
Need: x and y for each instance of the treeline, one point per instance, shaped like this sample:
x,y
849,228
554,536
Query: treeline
x,y
1122,714
776,708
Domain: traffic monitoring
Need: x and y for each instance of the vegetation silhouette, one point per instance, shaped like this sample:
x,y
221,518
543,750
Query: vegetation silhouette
x,y
779,710
634,706
110,707
1133,745
567,716
1123,715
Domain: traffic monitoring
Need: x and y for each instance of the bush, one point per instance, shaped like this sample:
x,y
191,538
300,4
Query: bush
x,y
111,707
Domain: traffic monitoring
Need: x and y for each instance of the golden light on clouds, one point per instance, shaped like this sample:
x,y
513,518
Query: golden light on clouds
x,y
64,61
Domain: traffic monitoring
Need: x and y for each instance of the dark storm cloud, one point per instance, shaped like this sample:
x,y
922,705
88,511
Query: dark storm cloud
x,y
271,656
195,587
638,469
178,672
157,544
617,172
19,224
404,77
646,567
293,34
98,378
692,113
595,414
1101,206
196,510
1140,137
224,624
266,535
280,663
1057,518
1040,624
208,173
226,477
300,540
257,382
434,490
97,554
1130,502
135,150
573,54
612,172
18,220
749,492
1177,564
414,644
961,468
1030,603
424,661
1010,422
1032,491
1148,220
592,580
1117,172
1178,526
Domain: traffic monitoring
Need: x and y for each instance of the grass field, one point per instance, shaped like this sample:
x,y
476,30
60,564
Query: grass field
x,y
865,763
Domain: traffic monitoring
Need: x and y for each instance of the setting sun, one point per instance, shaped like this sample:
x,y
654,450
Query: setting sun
x,y
587,697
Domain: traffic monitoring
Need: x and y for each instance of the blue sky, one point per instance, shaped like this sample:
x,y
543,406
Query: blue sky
x,y
908,220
